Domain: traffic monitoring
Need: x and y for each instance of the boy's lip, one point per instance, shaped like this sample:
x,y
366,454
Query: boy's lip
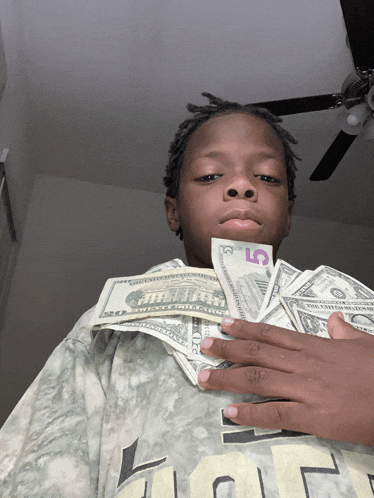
x,y
239,218
237,223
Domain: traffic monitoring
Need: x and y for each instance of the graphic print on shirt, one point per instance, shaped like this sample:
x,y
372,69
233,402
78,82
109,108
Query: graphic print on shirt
x,y
127,464
296,470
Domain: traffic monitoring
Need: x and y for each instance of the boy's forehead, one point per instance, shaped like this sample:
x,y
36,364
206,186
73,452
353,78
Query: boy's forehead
x,y
229,126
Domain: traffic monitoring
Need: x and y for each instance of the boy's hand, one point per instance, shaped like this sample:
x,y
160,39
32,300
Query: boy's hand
x,y
329,383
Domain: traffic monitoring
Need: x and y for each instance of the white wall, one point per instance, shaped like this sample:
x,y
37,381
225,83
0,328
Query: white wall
x,y
313,242
13,136
78,234
13,112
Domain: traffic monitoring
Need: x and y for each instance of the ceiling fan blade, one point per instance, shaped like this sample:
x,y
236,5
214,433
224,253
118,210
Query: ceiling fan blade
x,y
333,156
359,22
302,104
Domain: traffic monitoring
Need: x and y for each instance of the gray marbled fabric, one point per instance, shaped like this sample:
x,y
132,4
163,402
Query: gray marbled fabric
x,y
114,416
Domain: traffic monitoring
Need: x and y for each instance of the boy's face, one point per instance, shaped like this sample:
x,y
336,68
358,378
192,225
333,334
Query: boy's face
x,y
233,185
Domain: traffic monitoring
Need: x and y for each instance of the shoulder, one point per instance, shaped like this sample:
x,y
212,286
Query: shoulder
x,y
82,330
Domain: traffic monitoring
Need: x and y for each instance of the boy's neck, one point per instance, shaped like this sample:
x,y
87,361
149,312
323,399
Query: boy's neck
x,y
199,264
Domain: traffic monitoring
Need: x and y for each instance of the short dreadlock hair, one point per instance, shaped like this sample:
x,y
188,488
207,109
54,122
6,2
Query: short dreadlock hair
x,y
215,107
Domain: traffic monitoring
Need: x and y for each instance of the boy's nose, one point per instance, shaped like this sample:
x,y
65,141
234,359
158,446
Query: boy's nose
x,y
240,188
233,193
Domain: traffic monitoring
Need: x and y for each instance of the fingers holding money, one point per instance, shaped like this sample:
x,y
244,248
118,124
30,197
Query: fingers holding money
x,y
260,344
251,352
254,380
339,329
266,346
264,333
328,381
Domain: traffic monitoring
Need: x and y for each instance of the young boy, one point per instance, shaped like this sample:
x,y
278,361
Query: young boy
x,y
113,415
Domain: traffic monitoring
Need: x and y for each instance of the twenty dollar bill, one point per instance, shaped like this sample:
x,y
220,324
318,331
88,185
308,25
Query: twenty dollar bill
x,y
185,291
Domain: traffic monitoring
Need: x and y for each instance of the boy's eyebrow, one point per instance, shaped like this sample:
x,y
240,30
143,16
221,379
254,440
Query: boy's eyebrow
x,y
217,154
214,154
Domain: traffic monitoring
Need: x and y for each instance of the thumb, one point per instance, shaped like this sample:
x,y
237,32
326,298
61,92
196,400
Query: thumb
x,y
339,329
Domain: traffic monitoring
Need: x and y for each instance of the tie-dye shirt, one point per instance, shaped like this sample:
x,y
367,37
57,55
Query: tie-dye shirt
x,y
114,416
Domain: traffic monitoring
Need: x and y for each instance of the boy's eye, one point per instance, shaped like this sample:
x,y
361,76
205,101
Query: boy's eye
x,y
267,179
208,178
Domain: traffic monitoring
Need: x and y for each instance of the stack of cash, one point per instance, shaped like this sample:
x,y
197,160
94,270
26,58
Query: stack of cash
x,y
182,306
305,300
179,306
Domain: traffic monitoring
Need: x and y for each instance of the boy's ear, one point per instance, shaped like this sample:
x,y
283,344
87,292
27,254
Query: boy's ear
x,y
290,211
172,213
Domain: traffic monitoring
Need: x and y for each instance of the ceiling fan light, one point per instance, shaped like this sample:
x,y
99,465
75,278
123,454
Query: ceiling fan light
x,y
352,120
360,112
351,129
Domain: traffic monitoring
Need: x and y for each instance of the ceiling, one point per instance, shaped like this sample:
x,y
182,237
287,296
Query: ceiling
x,y
109,81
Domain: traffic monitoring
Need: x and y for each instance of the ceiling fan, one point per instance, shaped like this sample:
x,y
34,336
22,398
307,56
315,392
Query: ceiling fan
x,y
357,95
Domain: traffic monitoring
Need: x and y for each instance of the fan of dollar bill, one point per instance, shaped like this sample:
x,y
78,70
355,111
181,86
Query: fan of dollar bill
x,y
182,305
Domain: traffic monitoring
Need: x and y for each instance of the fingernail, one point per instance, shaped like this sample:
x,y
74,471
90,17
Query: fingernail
x,y
203,376
230,412
227,321
206,343
340,315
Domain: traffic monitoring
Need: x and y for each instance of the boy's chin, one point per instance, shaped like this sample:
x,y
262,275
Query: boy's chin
x,y
242,236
